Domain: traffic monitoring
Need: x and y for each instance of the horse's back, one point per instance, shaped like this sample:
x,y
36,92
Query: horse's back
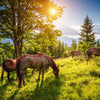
x,y
26,62
75,53
93,50
34,61
40,60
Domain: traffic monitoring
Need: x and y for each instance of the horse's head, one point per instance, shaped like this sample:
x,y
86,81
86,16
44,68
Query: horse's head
x,y
56,72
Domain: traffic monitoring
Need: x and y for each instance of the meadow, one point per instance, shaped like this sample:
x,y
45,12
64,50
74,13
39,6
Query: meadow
x,y
77,81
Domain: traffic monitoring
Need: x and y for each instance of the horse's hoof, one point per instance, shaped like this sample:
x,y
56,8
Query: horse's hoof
x,y
19,87
37,80
9,80
24,84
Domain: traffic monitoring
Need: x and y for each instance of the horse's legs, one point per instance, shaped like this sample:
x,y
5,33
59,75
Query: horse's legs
x,y
39,75
32,71
2,75
20,80
23,80
16,75
42,75
8,76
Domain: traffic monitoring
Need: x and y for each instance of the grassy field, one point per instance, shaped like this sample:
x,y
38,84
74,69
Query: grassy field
x,y
78,81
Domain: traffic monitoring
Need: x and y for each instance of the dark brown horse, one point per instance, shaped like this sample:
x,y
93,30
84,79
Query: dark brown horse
x,y
92,51
40,62
75,53
9,65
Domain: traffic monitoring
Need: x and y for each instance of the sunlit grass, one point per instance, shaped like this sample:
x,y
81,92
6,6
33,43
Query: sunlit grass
x,y
78,81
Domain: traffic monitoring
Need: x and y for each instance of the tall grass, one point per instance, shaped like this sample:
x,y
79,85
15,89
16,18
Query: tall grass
x,y
78,81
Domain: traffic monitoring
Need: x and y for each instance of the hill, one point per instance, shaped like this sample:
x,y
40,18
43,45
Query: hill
x,y
78,81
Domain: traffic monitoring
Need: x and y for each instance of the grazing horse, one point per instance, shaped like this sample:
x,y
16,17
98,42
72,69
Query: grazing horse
x,y
9,65
92,51
75,53
40,62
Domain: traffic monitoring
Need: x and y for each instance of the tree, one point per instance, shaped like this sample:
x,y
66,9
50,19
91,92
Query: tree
x,y
98,43
87,38
73,45
6,51
18,17
44,41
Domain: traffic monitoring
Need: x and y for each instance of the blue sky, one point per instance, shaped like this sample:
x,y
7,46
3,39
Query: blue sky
x,y
73,16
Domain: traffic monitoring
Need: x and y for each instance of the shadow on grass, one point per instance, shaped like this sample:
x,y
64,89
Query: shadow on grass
x,y
98,64
95,73
13,95
47,90
3,88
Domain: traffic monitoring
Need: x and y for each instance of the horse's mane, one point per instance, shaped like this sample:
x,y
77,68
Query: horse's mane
x,y
52,63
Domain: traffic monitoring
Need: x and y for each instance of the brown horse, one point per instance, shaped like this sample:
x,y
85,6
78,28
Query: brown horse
x,y
40,61
75,53
92,51
9,65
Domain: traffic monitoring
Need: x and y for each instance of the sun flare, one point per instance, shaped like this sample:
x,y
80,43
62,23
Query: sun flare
x,y
52,11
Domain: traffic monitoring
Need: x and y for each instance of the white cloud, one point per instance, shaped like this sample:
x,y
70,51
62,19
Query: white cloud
x,y
71,36
96,24
97,36
75,27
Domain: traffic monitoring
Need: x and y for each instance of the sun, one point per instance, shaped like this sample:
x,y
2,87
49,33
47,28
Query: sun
x,y
52,11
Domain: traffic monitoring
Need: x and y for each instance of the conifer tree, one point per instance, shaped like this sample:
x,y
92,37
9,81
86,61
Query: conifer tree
x,y
87,38
98,43
73,45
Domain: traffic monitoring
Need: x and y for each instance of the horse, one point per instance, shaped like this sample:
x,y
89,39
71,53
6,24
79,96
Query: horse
x,y
39,61
75,53
92,51
9,65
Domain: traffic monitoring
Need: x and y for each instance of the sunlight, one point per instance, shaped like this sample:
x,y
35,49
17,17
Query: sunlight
x,y
52,11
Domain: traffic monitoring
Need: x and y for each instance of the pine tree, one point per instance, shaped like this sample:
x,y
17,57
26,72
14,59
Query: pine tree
x,y
73,45
98,43
87,38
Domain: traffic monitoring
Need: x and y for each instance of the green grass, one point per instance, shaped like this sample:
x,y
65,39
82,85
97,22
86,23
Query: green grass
x,y
78,81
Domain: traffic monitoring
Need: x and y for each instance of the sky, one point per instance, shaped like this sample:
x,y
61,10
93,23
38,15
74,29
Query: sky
x,y
73,17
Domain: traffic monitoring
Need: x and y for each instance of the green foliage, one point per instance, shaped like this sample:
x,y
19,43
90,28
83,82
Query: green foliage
x,y
98,43
73,45
77,81
87,38
19,17
50,46
6,51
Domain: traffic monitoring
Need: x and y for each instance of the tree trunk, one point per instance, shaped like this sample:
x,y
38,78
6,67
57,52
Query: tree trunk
x,y
18,48
18,42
